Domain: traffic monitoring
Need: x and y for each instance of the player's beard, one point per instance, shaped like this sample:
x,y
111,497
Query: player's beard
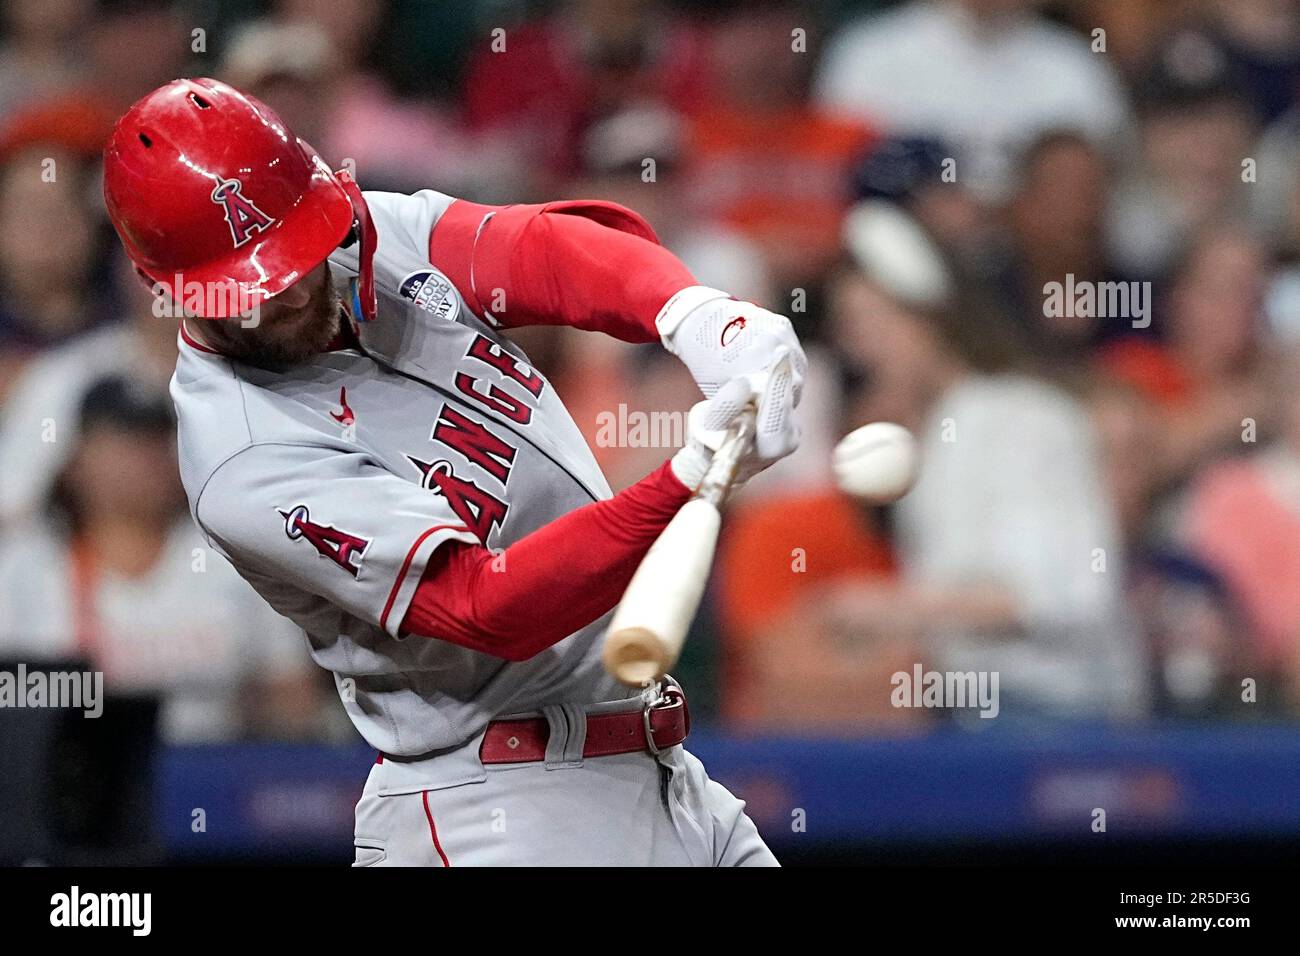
x,y
281,339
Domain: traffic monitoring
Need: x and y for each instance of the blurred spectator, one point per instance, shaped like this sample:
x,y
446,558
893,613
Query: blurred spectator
x,y
119,575
1130,433
986,75
999,543
1133,28
309,62
1261,41
349,27
1209,375
288,66
1196,126
49,281
909,171
1195,640
75,118
543,82
1243,518
1055,224
762,157
142,348
1010,502
39,55
133,47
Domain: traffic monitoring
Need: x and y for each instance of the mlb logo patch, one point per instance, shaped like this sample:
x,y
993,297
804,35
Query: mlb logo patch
x,y
433,292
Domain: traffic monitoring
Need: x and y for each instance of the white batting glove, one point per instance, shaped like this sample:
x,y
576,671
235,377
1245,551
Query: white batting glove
x,y
776,433
719,338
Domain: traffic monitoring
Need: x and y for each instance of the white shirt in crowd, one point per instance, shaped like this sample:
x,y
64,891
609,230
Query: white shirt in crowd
x,y
38,421
1010,494
190,628
987,88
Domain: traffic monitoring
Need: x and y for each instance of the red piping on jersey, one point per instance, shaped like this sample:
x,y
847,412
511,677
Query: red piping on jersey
x,y
193,342
433,830
406,566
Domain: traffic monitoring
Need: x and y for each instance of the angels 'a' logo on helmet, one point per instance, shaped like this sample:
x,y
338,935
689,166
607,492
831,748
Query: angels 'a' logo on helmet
x,y
242,215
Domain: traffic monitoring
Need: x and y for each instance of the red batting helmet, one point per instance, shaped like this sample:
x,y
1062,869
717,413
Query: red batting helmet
x,y
205,184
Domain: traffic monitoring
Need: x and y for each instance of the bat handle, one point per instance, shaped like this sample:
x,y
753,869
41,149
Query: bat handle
x,y
646,632
721,473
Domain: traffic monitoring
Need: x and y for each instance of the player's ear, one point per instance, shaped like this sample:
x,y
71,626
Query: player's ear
x,y
144,279
156,290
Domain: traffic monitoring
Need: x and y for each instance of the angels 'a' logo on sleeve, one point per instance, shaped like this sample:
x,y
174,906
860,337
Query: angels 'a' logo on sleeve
x,y
344,549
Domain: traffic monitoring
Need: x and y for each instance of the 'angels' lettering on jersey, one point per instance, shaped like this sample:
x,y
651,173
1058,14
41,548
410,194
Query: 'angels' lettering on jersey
x,y
491,353
476,442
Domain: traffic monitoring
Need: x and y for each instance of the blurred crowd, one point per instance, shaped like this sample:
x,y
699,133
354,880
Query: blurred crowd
x,y
1058,241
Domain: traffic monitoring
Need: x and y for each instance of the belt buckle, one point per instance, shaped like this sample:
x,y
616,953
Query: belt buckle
x,y
668,692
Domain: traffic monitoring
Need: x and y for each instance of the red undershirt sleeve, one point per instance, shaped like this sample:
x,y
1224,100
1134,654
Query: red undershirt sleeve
x,y
592,265
516,603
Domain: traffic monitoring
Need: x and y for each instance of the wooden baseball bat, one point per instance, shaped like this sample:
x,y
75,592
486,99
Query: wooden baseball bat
x,y
646,633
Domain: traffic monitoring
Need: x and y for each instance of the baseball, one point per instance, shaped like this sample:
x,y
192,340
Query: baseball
x,y
876,462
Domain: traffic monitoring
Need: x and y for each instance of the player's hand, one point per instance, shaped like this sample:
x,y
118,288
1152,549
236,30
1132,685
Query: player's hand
x,y
721,339
776,433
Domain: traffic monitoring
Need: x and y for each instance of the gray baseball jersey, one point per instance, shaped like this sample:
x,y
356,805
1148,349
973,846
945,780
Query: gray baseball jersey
x,y
329,485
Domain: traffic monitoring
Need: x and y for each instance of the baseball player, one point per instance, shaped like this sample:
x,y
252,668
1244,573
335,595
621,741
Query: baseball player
x,y
373,454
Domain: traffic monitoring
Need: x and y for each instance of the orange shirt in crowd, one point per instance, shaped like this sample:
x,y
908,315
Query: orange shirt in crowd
x,y
779,177
778,552
762,575
1149,367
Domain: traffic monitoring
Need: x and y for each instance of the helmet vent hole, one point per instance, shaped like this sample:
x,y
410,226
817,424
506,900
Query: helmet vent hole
x,y
199,101
146,140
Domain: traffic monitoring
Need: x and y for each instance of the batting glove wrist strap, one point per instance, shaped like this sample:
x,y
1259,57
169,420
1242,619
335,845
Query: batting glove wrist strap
x,y
677,308
719,338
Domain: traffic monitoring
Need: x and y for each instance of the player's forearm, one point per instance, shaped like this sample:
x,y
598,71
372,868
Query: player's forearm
x,y
522,265
548,584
